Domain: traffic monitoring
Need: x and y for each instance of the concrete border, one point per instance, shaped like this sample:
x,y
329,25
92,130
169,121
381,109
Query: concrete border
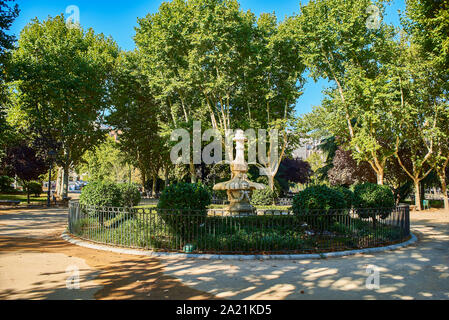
x,y
137,252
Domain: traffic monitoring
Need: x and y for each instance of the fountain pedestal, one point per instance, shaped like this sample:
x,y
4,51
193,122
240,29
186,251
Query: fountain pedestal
x,y
239,188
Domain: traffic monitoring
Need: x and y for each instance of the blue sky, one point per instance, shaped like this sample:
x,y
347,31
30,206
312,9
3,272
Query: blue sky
x,y
118,19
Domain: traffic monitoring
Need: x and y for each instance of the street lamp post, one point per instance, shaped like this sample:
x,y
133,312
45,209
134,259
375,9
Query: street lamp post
x,y
51,155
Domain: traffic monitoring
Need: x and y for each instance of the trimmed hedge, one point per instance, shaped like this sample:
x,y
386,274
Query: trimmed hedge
x,y
35,188
369,195
185,208
318,198
109,194
101,193
348,195
185,196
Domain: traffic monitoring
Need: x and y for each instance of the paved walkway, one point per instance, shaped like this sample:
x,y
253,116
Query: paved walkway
x,y
420,271
34,262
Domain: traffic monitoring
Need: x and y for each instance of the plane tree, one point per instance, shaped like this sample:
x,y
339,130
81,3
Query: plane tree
x,y
61,79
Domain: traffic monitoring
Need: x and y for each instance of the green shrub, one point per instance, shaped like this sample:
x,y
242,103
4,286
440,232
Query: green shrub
x,y
185,208
348,195
130,195
315,205
265,197
5,184
369,196
318,198
35,188
185,196
100,193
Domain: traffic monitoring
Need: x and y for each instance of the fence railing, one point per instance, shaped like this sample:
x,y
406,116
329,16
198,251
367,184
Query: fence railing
x,y
217,201
217,232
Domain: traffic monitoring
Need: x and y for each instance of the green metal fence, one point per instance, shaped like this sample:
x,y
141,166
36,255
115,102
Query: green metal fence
x,y
213,231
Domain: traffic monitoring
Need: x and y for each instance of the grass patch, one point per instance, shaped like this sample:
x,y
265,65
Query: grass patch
x,y
23,197
149,206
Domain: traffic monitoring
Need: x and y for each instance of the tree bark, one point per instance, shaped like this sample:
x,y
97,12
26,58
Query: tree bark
x,y
418,202
144,182
153,192
271,182
192,173
380,177
65,181
27,188
167,181
442,177
58,182
379,169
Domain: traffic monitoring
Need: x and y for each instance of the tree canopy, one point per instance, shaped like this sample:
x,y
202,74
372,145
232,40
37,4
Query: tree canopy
x,y
61,78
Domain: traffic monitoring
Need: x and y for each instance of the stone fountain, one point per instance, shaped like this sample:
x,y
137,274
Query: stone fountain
x,y
239,188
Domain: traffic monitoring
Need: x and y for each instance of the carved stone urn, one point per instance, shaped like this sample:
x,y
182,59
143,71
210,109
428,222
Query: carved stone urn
x,y
239,188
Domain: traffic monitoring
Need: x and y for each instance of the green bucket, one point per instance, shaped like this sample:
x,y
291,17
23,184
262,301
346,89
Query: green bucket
x,y
189,248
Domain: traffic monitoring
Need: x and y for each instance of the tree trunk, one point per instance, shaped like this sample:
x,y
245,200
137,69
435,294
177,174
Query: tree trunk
x,y
192,173
154,187
380,177
144,182
397,194
65,182
271,182
418,202
27,188
442,176
58,182
167,182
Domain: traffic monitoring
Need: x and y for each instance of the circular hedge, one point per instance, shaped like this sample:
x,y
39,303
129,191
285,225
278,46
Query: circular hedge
x,y
109,194
35,188
185,208
318,198
369,195
185,196
348,195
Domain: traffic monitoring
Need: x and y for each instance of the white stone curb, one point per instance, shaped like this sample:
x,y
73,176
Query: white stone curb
x,y
90,245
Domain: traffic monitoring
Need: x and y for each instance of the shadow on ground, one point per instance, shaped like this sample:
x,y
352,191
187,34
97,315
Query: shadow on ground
x,y
116,276
420,271
417,272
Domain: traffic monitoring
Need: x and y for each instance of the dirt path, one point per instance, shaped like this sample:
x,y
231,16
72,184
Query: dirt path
x,y
34,264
